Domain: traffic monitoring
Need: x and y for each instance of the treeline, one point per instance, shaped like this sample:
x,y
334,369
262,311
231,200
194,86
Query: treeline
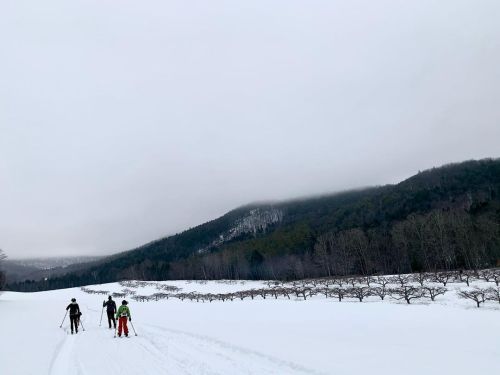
x,y
439,240
441,219
2,273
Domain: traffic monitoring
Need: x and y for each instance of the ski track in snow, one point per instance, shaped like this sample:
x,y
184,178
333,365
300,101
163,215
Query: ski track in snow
x,y
164,350
181,344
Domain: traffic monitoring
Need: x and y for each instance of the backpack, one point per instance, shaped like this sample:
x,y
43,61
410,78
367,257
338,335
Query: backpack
x,y
125,311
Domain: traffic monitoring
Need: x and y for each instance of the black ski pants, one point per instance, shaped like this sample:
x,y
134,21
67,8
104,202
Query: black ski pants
x,y
74,322
111,317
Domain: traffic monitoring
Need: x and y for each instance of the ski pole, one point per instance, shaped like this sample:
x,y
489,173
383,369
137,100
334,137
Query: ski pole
x,y
116,328
63,319
132,324
102,312
79,320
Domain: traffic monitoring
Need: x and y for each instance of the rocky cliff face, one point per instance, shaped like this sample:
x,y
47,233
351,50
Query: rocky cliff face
x,y
256,221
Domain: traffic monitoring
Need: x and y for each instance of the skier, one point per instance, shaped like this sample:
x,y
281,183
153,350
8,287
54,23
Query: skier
x,y
74,314
110,310
122,315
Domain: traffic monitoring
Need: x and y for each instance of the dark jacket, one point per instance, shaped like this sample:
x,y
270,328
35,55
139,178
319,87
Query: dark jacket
x,y
73,308
110,306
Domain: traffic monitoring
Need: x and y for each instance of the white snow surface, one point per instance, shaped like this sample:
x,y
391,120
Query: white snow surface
x,y
316,336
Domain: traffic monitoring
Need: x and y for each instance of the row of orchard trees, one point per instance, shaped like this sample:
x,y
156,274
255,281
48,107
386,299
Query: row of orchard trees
x,y
403,287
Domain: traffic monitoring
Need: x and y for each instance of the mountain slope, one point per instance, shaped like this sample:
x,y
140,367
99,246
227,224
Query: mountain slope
x,y
443,218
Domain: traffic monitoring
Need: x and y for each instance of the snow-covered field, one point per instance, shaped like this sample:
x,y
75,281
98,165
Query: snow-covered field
x,y
316,336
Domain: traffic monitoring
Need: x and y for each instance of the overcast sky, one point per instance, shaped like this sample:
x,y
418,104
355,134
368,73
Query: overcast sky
x,y
124,121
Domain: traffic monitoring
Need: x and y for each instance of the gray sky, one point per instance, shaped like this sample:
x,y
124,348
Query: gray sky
x,y
124,121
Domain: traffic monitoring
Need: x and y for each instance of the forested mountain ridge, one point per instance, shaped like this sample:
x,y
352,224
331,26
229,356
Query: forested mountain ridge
x,y
443,218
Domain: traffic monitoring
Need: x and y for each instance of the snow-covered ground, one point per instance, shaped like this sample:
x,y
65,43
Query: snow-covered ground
x,y
316,336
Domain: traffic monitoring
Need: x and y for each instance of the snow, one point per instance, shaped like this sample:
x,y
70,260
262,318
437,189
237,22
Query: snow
x,y
316,336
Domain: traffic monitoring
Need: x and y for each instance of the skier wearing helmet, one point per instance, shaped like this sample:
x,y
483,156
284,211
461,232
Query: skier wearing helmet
x,y
122,314
74,314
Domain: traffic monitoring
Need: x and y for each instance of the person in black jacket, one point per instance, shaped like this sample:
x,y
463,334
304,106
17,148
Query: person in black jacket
x,y
110,310
74,314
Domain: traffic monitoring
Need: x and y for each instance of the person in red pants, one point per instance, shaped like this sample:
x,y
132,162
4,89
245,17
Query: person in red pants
x,y
123,314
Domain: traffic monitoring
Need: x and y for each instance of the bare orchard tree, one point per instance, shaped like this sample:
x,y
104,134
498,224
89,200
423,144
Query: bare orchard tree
x,y
477,295
486,275
465,276
493,294
421,278
303,292
2,274
382,281
433,291
406,293
339,293
355,280
400,279
340,281
380,291
370,280
442,277
325,290
495,275
359,292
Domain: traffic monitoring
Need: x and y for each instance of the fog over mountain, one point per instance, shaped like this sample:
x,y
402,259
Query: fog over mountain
x,y
125,122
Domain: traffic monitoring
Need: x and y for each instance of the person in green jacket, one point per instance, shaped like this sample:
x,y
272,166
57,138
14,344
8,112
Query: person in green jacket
x,y
123,314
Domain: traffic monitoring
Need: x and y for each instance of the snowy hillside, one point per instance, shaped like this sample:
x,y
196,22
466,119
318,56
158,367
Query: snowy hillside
x,y
250,336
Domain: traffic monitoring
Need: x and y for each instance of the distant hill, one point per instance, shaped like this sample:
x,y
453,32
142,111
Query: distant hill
x,y
40,268
52,262
443,218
